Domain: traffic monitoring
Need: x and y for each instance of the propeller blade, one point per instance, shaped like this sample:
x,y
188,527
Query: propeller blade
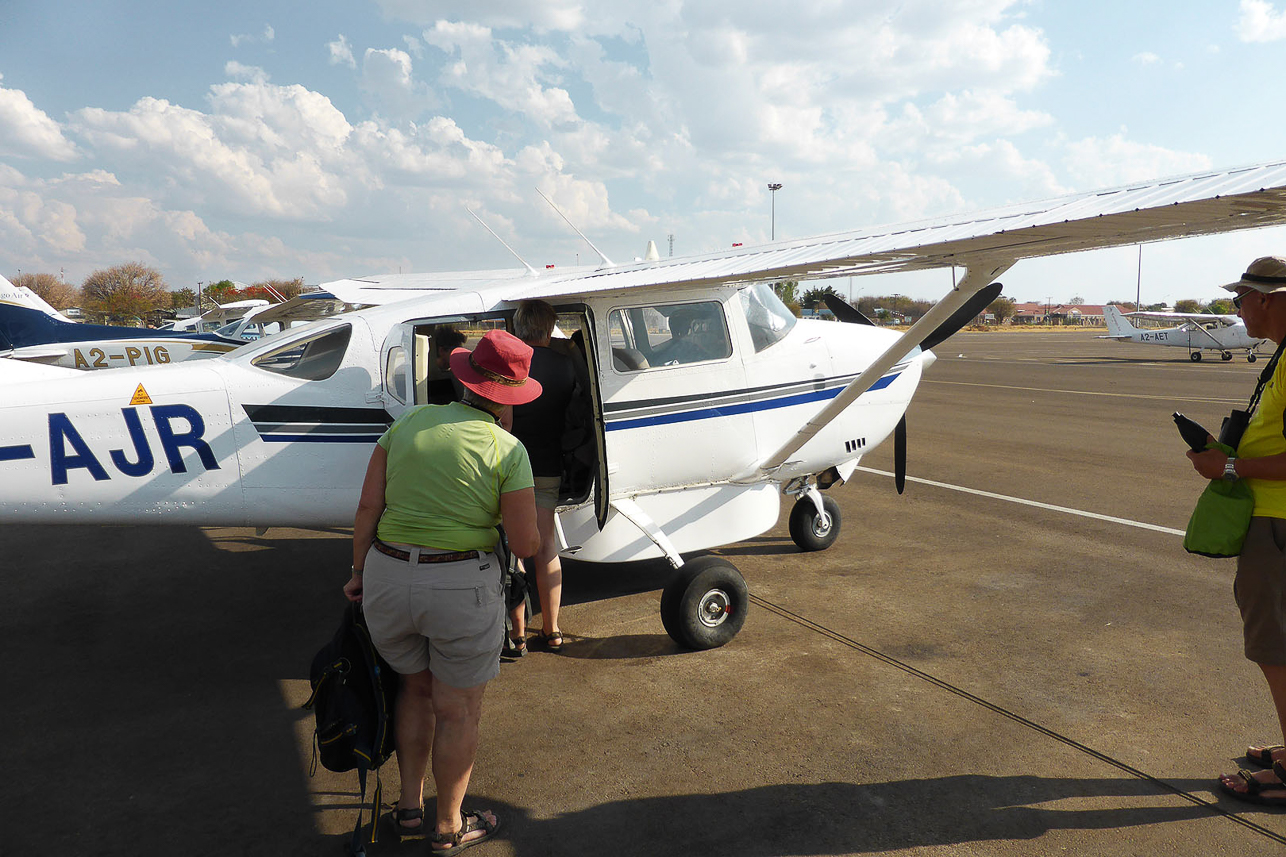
x,y
845,311
962,316
899,454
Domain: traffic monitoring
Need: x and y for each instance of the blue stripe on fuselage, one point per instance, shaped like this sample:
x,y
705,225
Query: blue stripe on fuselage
x,y
745,408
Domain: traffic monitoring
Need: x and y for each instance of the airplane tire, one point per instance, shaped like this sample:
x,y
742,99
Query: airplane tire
x,y
704,605
1252,357
1225,356
808,531
1195,357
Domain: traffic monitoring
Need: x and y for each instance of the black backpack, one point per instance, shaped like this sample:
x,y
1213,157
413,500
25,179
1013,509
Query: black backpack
x,y
353,694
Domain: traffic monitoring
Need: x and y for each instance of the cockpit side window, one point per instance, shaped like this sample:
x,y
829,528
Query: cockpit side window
x,y
650,337
767,316
313,359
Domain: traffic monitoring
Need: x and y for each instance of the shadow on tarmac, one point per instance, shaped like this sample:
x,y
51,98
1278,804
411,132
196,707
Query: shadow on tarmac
x,y
145,716
826,818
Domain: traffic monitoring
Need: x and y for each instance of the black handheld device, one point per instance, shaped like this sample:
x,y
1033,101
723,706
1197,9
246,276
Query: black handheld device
x,y
1194,434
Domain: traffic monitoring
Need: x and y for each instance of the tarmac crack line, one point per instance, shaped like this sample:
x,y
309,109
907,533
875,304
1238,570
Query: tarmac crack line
x,y
1015,717
1036,503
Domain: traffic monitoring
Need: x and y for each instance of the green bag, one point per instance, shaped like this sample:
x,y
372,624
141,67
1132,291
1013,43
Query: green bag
x,y
1218,525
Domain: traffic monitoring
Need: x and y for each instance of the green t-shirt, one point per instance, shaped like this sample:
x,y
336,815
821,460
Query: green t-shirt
x,y
447,467
1263,437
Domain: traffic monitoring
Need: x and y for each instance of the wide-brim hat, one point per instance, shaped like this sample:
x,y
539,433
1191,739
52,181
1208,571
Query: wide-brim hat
x,y
497,369
1266,274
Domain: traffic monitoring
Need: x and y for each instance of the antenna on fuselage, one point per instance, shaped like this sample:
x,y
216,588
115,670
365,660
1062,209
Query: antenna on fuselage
x,y
601,255
529,268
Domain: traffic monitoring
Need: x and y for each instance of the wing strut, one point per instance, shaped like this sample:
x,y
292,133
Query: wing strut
x,y
975,279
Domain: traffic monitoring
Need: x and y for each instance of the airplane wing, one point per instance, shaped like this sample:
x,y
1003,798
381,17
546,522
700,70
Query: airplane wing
x,y
985,244
1202,204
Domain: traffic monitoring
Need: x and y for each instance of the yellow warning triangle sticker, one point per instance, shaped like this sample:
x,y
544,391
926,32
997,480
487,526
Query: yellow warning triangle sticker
x,y
141,397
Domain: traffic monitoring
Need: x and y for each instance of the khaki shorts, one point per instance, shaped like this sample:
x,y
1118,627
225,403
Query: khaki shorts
x,y
1260,590
448,618
547,491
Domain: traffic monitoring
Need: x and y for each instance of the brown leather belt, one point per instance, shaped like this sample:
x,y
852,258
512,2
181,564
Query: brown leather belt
x,y
405,556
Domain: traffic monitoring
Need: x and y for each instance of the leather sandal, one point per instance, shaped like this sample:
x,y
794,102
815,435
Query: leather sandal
x,y
469,822
401,816
553,641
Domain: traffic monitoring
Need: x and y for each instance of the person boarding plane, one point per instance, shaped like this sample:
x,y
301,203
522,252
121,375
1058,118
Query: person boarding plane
x,y
1198,332
683,448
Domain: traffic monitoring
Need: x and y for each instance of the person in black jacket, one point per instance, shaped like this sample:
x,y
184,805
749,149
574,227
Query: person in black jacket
x,y
540,426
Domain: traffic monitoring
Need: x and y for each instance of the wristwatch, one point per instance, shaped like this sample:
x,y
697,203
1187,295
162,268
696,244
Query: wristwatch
x,y
1230,469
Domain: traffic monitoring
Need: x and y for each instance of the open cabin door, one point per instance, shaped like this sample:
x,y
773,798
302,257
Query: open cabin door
x,y
415,372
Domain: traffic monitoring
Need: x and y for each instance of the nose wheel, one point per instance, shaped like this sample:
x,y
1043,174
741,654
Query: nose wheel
x,y
811,530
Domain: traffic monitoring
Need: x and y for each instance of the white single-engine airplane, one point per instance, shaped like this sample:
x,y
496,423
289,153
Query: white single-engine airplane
x,y
1197,332
30,329
706,398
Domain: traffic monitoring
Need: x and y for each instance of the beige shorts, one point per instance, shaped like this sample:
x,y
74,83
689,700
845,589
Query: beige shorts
x,y
448,618
547,491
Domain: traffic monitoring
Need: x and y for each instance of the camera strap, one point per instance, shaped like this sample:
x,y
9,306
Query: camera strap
x,y
1264,377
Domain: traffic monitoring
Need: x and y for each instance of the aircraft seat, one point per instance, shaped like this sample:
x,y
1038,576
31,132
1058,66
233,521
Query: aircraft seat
x,y
628,359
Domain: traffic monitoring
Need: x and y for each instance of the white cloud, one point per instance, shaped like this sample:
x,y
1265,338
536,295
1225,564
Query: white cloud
x,y
1260,21
1145,58
28,132
252,73
341,52
389,81
264,37
1097,163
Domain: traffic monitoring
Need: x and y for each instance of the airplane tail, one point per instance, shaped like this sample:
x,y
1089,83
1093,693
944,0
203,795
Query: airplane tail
x,y
20,296
1118,325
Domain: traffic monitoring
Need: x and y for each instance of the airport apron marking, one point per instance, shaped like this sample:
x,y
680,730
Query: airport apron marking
x,y
1038,505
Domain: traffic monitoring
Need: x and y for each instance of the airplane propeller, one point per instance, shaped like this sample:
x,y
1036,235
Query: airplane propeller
x,y
846,312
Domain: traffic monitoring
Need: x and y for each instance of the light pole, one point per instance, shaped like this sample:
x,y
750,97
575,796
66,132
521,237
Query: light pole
x,y
773,187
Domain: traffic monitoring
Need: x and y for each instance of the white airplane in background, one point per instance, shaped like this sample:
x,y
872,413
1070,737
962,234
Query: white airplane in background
x,y
30,329
683,449
1197,332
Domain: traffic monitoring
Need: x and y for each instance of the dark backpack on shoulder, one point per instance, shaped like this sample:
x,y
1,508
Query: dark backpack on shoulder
x,y
353,694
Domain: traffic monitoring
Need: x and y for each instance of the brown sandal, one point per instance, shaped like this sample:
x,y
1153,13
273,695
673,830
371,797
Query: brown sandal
x,y
469,822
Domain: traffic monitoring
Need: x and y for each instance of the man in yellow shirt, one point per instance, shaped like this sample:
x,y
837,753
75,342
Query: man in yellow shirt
x,y
1260,459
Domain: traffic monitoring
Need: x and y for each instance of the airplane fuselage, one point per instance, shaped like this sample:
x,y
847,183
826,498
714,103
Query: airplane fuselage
x,y
257,438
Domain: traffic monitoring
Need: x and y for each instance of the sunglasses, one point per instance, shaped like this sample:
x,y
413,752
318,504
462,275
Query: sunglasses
x,y
1236,302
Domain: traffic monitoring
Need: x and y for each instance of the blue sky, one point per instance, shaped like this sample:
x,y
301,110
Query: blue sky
x,y
329,139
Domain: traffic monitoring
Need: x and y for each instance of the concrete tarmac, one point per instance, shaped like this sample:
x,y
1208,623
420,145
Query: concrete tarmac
x,y
1014,657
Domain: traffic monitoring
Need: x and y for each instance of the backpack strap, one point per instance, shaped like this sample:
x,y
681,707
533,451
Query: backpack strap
x,y
356,847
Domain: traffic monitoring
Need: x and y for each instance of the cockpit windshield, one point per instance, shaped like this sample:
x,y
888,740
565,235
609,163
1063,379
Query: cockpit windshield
x,y
768,317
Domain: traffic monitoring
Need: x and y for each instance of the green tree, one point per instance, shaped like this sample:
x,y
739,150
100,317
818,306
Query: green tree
x,y
125,293
814,296
49,288
1221,306
222,292
183,299
1187,305
1002,308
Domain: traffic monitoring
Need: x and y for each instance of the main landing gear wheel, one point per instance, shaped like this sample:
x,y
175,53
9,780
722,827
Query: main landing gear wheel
x,y
811,531
1252,357
704,605
1195,357
1225,356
